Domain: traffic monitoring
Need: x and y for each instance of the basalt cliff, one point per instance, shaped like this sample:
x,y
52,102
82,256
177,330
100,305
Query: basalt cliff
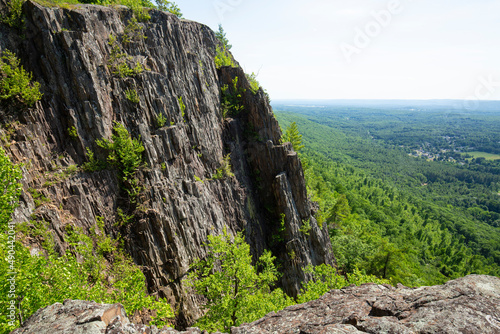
x,y
71,52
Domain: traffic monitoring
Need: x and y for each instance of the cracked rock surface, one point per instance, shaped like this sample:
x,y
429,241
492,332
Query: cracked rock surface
x,y
466,305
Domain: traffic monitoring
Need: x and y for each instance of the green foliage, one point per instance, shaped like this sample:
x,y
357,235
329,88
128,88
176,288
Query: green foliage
x,y
223,58
15,82
58,3
306,227
182,106
378,212
14,18
236,291
279,235
221,36
293,136
119,61
254,84
93,268
139,8
132,32
132,96
73,133
232,99
93,164
170,7
224,170
10,189
38,197
326,278
161,120
124,152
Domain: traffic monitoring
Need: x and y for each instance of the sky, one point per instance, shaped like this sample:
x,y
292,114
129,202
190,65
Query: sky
x,y
362,49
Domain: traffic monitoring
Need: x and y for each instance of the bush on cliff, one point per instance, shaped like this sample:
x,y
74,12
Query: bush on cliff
x,y
236,291
15,82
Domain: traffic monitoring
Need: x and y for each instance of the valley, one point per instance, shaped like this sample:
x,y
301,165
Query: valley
x,y
416,220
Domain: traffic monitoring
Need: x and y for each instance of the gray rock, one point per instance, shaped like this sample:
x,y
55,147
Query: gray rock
x,y
466,305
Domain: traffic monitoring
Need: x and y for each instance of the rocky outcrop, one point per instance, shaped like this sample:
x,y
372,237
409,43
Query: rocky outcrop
x,y
72,52
83,317
465,305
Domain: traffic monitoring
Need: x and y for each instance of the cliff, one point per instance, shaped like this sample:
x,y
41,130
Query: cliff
x,y
74,54
466,305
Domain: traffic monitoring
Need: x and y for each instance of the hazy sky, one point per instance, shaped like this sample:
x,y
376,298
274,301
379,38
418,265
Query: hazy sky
x,y
362,49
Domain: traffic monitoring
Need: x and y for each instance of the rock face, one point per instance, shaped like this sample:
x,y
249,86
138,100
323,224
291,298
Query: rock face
x,y
73,53
465,305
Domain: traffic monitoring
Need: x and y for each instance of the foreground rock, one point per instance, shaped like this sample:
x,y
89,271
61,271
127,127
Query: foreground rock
x,y
465,305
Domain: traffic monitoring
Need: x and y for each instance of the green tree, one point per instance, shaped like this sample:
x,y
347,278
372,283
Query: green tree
x,y
222,55
236,292
15,82
221,36
169,6
293,136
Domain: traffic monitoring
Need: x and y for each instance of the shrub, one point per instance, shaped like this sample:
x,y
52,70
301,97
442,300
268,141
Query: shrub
x,y
15,82
131,95
93,164
221,36
224,170
119,60
14,18
132,32
306,227
93,268
73,133
223,58
326,278
124,152
254,84
232,99
182,106
161,120
139,8
293,136
10,188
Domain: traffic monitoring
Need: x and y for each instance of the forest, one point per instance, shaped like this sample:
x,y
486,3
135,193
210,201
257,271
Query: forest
x,y
416,219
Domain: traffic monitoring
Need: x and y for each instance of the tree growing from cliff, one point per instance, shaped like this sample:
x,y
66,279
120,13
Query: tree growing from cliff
x,y
221,36
15,82
293,136
236,291
169,6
